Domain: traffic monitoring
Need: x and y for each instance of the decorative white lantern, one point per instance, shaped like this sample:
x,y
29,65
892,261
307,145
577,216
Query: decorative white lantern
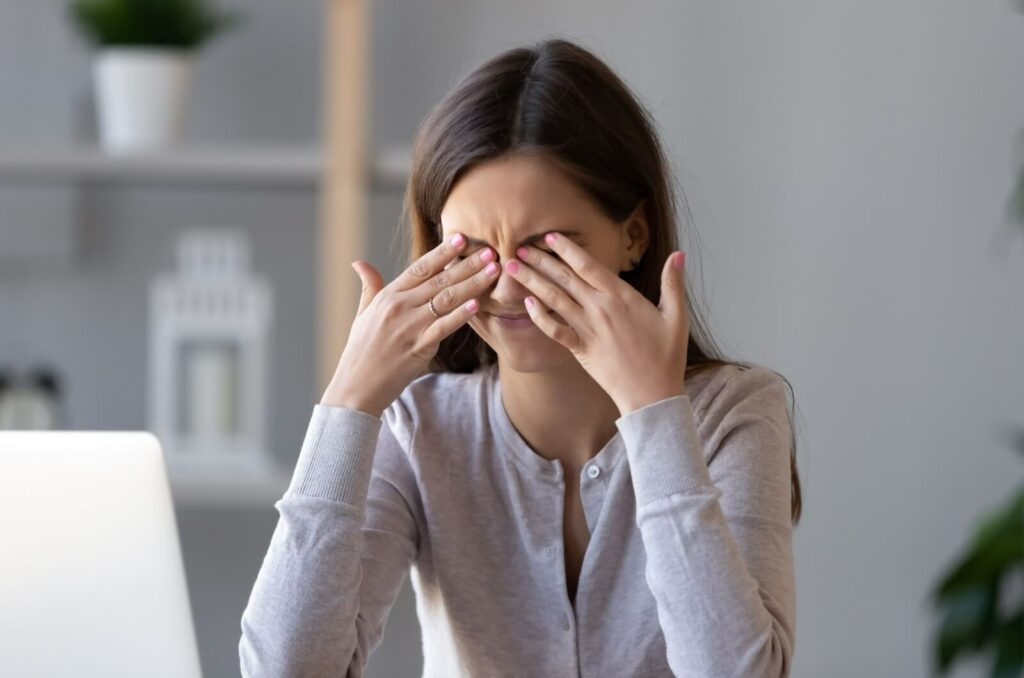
x,y
209,327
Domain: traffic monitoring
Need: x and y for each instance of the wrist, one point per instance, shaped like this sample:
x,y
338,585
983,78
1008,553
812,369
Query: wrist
x,y
336,397
638,402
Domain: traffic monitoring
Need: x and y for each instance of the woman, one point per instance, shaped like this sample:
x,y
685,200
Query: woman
x,y
526,420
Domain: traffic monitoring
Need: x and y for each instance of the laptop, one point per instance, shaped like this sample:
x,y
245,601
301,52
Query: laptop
x,y
92,582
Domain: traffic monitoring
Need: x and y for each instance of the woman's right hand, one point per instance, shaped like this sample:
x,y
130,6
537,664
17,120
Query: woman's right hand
x,y
394,335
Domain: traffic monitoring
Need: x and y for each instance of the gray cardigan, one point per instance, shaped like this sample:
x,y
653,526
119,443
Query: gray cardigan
x,y
688,572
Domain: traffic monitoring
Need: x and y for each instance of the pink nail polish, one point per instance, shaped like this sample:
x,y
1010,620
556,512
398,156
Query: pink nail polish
x,y
457,239
512,267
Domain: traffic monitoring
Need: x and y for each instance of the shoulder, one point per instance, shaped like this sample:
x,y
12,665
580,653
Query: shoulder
x,y
437,403
737,387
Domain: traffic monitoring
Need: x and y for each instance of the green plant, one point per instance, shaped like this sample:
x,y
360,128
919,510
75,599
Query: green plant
x,y
981,596
181,24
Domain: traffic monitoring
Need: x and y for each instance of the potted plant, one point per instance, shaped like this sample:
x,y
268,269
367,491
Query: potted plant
x,y
979,596
143,64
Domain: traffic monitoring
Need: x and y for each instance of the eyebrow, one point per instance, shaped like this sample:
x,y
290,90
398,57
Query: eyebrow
x,y
530,239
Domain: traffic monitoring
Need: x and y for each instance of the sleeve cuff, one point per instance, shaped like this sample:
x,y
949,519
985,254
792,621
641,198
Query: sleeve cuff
x,y
337,452
663,448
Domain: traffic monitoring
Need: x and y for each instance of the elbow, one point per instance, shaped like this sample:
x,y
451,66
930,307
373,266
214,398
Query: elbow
x,y
770,658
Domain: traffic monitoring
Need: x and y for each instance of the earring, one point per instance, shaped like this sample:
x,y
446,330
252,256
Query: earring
x,y
634,262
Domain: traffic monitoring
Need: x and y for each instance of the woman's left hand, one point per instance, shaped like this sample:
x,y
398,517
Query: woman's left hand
x,y
634,350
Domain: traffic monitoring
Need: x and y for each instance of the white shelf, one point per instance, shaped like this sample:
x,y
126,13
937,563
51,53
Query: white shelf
x,y
227,490
250,165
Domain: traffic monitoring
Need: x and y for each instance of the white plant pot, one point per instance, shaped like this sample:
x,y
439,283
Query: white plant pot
x,y
140,96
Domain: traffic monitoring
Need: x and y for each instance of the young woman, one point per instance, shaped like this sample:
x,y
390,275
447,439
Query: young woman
x,y
532,419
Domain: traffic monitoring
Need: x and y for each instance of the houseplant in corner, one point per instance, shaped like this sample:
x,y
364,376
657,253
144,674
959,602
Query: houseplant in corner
x,y
143,64
980,595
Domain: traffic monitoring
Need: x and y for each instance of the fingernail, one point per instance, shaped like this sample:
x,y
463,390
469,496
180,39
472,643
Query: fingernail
x,y
512,267
530,302
523,252
677,262
457,239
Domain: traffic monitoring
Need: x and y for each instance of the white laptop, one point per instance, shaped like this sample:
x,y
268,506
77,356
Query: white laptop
x,y
92,582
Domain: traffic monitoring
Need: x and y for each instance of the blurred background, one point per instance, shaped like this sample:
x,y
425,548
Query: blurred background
x,y
848,167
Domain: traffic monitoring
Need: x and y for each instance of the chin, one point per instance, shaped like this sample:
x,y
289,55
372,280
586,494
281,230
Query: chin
x,y
533,361
539,353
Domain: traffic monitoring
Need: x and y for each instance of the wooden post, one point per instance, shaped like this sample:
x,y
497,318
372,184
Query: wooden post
x,y
344,191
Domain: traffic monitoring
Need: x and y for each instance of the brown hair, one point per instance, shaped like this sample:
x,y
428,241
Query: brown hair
x,y
559,101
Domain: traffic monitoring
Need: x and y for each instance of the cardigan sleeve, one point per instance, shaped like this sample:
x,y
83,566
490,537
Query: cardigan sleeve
x,y
348,530
713,509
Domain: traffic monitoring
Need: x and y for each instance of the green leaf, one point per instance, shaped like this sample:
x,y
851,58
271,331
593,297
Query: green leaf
x,y
182,24
968,619
998,544
1009,661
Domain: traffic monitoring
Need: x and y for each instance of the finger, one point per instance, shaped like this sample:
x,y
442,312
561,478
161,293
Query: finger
x,y
372,283
449,322
551,294
563,334
472,287
673,285
556,271
450,297
458,271
590,270
430,263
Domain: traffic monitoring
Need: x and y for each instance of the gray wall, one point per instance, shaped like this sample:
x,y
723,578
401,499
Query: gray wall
x,y
846,164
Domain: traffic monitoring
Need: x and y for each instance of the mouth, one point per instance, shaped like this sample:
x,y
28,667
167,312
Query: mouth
x,y
514,321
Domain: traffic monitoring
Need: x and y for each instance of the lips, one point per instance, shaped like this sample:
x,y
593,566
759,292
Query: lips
x,y
517,316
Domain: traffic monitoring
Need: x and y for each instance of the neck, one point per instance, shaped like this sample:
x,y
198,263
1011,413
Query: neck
x,y
561,413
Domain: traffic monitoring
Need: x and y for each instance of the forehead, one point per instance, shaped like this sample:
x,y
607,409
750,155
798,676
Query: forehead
x,y
512,197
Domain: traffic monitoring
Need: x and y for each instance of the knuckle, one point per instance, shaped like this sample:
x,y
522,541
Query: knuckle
x,y
390,307
419,269
446,297
424,349
441,280
586,268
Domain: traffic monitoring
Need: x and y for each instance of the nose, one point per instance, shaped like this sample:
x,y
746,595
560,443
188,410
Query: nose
x,y
507,292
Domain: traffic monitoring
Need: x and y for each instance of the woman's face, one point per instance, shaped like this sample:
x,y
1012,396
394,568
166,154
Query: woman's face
x,y
514,200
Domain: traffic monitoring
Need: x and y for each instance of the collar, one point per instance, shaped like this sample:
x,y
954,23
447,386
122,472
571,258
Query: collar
x,y
523,455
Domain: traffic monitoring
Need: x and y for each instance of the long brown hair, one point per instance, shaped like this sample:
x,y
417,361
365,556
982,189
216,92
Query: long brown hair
x,y
560,101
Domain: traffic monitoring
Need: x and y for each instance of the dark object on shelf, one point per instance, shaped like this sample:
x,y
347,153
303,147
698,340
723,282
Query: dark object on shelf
x,y
180,24
33,401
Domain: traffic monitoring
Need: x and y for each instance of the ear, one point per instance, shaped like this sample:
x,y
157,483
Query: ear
x,y
635,234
